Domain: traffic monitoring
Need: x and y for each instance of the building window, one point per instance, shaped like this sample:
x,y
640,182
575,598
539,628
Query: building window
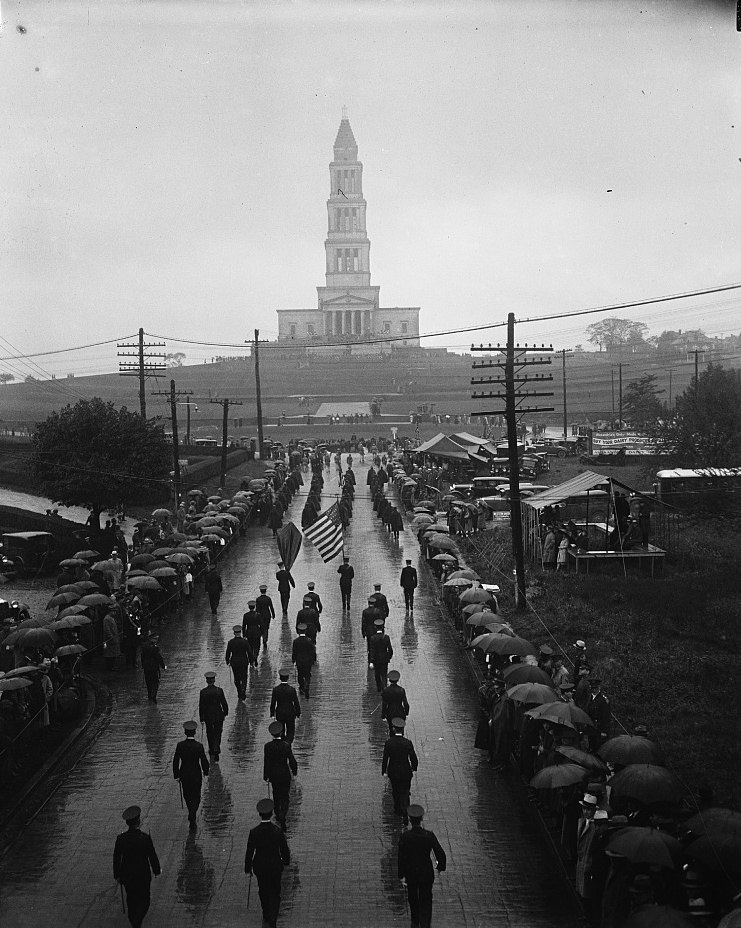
x,y
354,220
339,261
404,328
387,328
310,329
292,331
355,260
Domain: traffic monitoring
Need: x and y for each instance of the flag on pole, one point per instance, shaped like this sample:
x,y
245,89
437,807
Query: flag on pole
x,y
326,533
289,544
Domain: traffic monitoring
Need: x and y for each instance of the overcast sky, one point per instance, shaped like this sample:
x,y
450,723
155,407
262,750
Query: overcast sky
x,y
165,165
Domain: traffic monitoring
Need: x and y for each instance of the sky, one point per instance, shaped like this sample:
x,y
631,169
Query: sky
x,y
165,165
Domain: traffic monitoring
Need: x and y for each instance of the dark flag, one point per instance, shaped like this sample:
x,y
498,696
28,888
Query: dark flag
x,y
289,544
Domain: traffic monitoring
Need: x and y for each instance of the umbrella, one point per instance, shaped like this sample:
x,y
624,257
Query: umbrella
x,y
211,508
257,483
232,520
525,673
438,527
71,588
70,621
62,599
161,514
422,510
162,552
136,573
219,532
163,572
153,565
719,852
96,599
480,617
646,783
236,510
37,638
176,536
32,623
70,610
87,585
472,608
631,749
72,562
646,846
438,540
15,683
583,758
141,560
557,776
144,583
447,558
214,499
68,649
210,538
509,644
423,518
477,595
179,557
716,820
86,555
457,582
534,693
207,521
659,916
102,566
224,505
466,573
561,713
20,671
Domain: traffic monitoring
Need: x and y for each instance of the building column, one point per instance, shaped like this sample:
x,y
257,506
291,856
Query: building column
x,y
356,322
338,322
367,319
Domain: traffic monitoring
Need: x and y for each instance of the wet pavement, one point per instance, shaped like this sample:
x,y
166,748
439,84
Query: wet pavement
x,y
342,831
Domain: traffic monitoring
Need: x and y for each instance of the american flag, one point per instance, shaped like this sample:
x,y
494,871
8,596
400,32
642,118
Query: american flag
x,y
326,533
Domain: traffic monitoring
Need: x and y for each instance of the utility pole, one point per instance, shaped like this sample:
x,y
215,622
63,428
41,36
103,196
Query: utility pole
x,y
565,416
671,371
620,414
515,393
187,428
144,367
697,371
174,394
225,403
612,378
258,396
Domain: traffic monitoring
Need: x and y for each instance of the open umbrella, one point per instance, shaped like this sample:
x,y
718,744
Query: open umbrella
x,y
226,517
438,527
422,510
163,572
509,644
219,532
70,621
525,673
70,588
646,846
214,499
67,649
257,483
175,537
480,618
472,608
102,566
557,776
141,560
14,683
646,783
144,583
136,572
153,565
224,505
162,552
561,713
20,671
207,522
458,582
87,555
466,573
37,638
583,758
533,693
161,514
631,749
70,610
96,599
72,562
442,542
445,558
477,595
422,518
62,599
717,820
179,557
210,538
32,623
236,510
87,585
718,852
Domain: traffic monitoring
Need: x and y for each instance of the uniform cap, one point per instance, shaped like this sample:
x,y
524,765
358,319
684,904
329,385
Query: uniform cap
x,y
275,728
284,674
280,563
190,727
379,623
210,675
263,587
545,649
250,603
308,600
566,687
265,807
394,675
237,629
371,601
301,628
398,723
377,586
345,557
311,585
415,813
580,644
131,814
409,560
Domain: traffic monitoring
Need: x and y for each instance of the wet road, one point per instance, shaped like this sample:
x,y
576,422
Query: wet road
x,y
341,828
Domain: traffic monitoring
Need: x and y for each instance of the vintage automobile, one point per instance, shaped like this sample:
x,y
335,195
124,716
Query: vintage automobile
x,y
30,552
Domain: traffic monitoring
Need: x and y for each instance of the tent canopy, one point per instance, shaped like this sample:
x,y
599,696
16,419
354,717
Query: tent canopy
x,y
589,480
456,447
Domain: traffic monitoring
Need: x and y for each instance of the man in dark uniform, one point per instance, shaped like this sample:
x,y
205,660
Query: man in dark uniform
x,y
381,602
265,609
212,710
285,582
368,626
252,630
189,760
238,657
278,766
214,587
400,762
309,617
394,703
267,854
303,655
415,866
346,573
152,664
134,862
314,597
381,653
284,705
598,709
408,583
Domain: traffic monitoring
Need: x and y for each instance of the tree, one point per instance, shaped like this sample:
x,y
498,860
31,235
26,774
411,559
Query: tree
x,y
175,359
30,379
614,333
704,429
100,457
641,402
6,378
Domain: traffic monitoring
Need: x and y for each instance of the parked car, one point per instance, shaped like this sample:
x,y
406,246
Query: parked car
x,y
30,551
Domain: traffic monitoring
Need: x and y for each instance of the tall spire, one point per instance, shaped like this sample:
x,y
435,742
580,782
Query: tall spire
x,y
345,146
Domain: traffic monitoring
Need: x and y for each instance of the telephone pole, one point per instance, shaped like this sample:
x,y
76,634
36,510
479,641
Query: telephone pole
x,y
225,404
565,416
144,367
620,396
258,396
174,394
515,394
